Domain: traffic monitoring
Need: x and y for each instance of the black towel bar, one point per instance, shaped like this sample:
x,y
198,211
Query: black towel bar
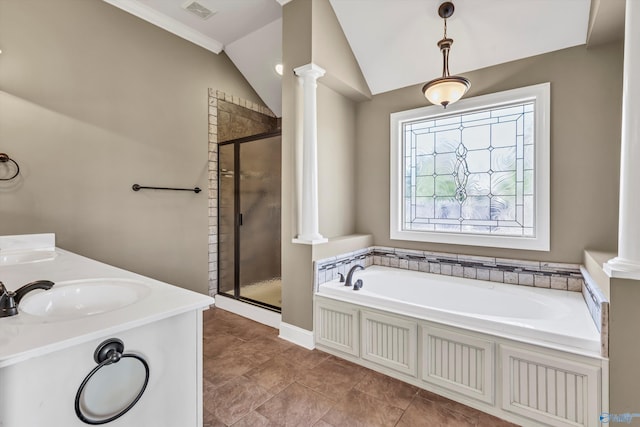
x,y
137,187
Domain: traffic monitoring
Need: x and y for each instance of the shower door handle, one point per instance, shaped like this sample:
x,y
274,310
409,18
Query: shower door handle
x,y
239,219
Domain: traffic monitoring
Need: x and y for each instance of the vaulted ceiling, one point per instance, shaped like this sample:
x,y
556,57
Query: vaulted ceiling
x,y
394,41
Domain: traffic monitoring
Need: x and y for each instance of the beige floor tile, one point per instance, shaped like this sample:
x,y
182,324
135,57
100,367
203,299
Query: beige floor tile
x,y
331,379
264,348
359,409
389,390
274,375
211,421
423,412
234,400
296,405
253,419
217,343
486,420
227,366
304,358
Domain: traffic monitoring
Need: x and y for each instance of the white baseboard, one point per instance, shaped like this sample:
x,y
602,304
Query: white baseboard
x,y
297,335
250,311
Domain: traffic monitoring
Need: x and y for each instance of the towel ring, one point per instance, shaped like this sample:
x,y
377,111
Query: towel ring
x,y
4,158
107,353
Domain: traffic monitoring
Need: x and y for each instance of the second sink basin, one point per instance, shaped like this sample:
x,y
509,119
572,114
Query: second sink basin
x,y
78,298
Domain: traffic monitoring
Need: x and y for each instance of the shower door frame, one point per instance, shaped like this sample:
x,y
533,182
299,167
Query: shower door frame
x,y
238,218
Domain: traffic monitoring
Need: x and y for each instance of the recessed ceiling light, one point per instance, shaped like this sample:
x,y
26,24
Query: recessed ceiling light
x,y
279,69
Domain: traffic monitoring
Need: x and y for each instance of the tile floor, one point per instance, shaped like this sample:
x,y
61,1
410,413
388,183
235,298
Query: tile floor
x,y
253,378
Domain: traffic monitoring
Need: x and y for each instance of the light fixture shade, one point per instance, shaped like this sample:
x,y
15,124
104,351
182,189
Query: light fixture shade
x,y
446,90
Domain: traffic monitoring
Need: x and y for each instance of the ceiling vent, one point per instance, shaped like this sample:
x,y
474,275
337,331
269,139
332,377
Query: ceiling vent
x,y
198,9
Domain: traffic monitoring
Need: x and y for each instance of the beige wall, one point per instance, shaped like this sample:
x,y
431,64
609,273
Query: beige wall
x,y
336,159
624,347
93,100
332,52
296,259
586,87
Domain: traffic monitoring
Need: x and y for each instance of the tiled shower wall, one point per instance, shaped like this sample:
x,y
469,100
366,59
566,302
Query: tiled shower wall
x,y
230,117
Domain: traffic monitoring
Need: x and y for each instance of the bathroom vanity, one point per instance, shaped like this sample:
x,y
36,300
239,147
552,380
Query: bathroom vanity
x,y
102,346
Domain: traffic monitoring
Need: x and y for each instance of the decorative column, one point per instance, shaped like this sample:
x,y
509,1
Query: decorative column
x,y
627,263
308,228
297,150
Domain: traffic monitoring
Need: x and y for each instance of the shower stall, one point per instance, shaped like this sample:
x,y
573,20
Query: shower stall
x,y
249,176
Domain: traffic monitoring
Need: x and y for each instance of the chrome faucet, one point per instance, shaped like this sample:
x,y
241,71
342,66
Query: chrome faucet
x,y
9,300
353,269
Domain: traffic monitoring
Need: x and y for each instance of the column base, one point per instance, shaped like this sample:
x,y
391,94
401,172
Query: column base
x,y
310,241
622,268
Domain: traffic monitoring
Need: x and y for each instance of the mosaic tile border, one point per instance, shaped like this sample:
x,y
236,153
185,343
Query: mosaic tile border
x,y
502,270
598,306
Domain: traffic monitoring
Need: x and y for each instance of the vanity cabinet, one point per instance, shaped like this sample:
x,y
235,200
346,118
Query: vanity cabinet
x,y
40,390
52,369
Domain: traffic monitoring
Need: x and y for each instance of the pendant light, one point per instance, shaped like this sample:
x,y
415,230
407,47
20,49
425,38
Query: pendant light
x,y
447,89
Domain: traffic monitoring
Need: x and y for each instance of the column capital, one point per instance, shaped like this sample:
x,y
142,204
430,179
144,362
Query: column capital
x,y
309,70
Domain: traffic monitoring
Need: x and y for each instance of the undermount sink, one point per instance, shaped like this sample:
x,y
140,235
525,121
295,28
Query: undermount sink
x,y
79,298
25,257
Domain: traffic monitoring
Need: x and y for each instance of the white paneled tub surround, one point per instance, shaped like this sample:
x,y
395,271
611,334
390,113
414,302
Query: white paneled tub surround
x,y
525,354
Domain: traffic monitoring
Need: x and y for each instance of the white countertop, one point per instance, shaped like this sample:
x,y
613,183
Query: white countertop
x,y
25,336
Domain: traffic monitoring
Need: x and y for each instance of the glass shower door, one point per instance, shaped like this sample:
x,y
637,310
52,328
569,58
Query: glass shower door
x,y
259,221
249,220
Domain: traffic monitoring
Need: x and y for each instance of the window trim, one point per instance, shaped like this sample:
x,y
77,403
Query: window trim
x,y
540,95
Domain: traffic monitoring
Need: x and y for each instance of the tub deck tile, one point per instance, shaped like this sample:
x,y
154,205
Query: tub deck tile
x,y
559,282
483,274
470,272
435,267
496,276
457,271
542,281
446,269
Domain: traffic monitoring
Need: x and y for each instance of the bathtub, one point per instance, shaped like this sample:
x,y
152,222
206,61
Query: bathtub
x,y
543,316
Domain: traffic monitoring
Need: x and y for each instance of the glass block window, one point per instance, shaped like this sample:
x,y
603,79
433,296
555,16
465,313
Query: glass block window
x,y
475,169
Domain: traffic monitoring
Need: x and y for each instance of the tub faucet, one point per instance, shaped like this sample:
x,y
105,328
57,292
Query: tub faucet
x,y
353,269
9,300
